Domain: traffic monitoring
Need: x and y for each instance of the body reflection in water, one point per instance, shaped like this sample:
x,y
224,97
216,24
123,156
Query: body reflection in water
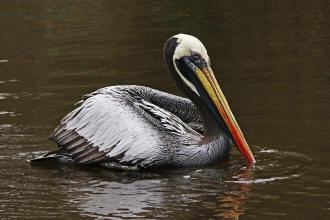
x,y
131,195
220,191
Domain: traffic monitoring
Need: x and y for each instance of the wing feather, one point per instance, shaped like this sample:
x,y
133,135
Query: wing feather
x,y
114,126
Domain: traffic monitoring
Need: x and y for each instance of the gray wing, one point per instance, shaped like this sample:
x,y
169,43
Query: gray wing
x,y
179,106
121,124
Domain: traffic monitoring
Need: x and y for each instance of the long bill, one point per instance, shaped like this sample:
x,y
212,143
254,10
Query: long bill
x,y
212,87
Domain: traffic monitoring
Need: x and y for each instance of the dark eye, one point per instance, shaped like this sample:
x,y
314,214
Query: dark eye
x,y
196,56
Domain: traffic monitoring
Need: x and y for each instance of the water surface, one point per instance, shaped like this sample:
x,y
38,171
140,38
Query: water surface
x,y
270,58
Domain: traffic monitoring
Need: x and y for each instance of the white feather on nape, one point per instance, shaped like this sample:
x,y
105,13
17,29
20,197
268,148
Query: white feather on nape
x,y
186,45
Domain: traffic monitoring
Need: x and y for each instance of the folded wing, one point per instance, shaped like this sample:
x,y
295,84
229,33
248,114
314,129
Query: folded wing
x,y
116,125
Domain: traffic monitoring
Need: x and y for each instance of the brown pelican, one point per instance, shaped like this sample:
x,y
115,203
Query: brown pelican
x,y
134,127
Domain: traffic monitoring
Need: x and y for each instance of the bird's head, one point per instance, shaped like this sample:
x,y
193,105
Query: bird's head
x,y
189,64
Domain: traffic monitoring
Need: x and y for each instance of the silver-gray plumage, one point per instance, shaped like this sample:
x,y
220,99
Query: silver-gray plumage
x,y
139,127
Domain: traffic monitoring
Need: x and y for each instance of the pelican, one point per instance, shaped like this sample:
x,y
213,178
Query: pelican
x,y
133,127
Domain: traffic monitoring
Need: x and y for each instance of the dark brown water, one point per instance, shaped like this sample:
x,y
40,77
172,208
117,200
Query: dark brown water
x,y
272,59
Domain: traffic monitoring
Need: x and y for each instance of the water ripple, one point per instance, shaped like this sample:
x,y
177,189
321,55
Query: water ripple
x,y
272,165
8,113
264,180
4,95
